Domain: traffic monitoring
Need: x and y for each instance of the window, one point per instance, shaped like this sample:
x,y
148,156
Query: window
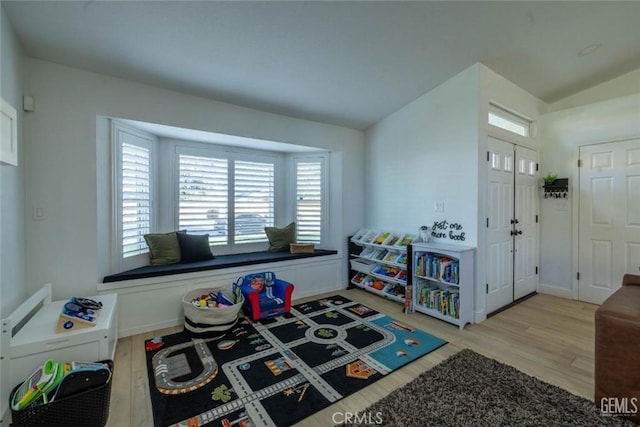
x,y
203,184
254,200
134,198
309,199
230,199
508,121
231,193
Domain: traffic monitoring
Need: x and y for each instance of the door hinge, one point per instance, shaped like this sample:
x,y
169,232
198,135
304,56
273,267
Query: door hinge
x,y
537,166
536,218
536,269
487,222
579,163
487,288
487,156
578,275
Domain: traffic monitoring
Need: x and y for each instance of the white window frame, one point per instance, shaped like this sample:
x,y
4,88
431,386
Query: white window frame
x,y
510,117
119,262
232,155
292,192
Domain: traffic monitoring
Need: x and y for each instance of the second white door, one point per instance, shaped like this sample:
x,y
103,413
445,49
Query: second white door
x,y
609,224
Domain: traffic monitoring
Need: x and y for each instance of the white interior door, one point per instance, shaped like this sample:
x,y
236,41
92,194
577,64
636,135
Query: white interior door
x,y
609,217
525,277
512,228
499,216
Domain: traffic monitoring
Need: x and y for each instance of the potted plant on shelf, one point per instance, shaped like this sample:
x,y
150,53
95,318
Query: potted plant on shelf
x,y
549,178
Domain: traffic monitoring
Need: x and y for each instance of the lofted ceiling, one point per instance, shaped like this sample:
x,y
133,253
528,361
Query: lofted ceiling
x,y
349,63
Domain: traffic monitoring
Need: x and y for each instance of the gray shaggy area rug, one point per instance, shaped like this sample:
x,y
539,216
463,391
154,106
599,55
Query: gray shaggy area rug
x,y
469,389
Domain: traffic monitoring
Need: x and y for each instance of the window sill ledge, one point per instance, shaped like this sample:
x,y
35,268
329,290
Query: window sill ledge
x,y
220,262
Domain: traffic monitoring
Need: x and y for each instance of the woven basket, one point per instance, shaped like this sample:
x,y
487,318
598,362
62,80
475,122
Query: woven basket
x,y
205,321
87,409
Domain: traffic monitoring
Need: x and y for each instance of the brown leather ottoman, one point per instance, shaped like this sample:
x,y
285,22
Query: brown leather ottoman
x,y
617,357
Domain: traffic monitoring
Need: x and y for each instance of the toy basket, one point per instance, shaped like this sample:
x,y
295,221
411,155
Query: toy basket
x,y
89,408
210,322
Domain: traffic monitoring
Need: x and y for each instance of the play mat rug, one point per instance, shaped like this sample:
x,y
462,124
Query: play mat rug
x,y
278,371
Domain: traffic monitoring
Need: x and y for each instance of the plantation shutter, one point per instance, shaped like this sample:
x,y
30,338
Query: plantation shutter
x,y
203,184
135,198
254,200
309,198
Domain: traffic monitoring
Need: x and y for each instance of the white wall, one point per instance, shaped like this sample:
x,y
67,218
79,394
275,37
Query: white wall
x,y
68,162
562,132
624,85
12,210
13,290
424,153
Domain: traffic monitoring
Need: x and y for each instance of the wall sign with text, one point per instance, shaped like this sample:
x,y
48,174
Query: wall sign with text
x,y
445,230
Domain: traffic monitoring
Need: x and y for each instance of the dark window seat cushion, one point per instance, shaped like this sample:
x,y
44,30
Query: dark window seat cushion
x,y
220,261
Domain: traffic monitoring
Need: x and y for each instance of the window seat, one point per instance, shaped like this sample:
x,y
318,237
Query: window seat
x,y
221,261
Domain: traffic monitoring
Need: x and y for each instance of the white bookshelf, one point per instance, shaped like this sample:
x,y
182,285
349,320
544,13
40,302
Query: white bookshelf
x,y
442,281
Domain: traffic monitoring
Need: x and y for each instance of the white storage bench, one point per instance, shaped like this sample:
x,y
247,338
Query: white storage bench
x,y
28,342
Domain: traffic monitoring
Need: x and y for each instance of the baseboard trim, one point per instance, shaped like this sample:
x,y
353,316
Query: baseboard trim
x,y
547,289
508,306
180,321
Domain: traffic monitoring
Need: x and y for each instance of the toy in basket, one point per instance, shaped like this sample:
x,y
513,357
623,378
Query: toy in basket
x,y
211,312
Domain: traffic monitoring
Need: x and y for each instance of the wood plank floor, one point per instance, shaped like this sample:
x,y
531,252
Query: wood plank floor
x,y
547,337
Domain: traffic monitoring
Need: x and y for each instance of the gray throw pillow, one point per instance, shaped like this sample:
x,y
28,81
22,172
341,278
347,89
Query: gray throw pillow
x,y
279,238
194,247
163,248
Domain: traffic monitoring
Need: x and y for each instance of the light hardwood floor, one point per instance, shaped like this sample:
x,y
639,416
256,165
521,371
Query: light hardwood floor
x,y
547,337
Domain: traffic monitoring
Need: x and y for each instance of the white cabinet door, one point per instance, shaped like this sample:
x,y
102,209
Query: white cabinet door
x,y
609,217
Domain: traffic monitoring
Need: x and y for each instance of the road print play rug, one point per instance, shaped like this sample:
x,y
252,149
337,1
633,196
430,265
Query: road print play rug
x,y
278,371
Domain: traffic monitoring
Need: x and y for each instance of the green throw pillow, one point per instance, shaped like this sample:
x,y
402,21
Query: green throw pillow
x,y
279,238
163,248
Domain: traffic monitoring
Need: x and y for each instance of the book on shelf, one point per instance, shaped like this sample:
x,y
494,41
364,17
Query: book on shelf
x,y
402,275
443,300
383,270
379,254
381,238
370,237
401,259
360,235
392,240
437,267
391,257
406,240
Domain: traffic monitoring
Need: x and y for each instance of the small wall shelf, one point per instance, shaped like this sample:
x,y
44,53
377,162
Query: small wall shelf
x,y
558,189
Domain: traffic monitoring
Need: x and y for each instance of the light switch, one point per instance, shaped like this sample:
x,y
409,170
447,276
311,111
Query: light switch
x,y
439,206
38,213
